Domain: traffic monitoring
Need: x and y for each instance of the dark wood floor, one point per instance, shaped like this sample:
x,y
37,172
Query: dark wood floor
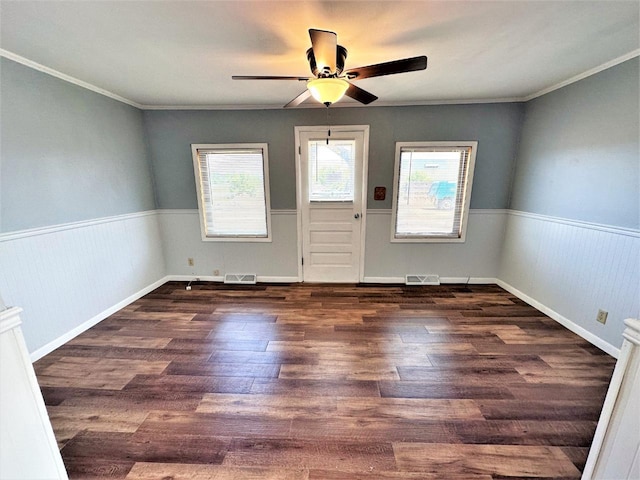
x,y
325,382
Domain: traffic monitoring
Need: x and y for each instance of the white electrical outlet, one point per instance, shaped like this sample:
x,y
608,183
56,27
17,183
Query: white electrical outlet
x,y
602,316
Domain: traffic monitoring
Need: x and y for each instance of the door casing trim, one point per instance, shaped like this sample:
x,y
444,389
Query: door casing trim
x,y
364,129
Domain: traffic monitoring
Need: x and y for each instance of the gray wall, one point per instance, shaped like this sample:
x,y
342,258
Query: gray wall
x,y
494,126
67,154
579,156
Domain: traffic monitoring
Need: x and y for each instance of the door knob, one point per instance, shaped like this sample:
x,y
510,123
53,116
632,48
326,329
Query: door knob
x,y
356,216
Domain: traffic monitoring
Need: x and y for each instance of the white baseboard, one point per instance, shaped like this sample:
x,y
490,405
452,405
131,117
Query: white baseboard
x,y
383,280
577,329
562,320
58,342
469,280
282,279
209,278
483,280
194,278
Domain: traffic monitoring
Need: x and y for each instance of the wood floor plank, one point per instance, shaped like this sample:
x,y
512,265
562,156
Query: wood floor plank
x,y
140,447
336,381
350,346
211,425
217,369
122,399
67,420
578,455
348,429
311,388
331,334
360,456
184,471
442,390
582,359
563,376
461,376
436,319
273,406
484,361
507,460
408,408
542,337
527,348
551,392
363,370
236,317
574,409
102,373
456,338
388,475
203,344
189,383
427,348
573,433
163,332
125,314
277,357
150,354
84,468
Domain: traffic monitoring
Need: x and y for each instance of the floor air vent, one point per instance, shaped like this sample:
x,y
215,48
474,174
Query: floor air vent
x,y
243,278
422,280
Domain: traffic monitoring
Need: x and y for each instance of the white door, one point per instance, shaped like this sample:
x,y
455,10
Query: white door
x,y
331,171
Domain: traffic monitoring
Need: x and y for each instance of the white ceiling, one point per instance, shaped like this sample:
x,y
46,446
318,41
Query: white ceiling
x,y
183,53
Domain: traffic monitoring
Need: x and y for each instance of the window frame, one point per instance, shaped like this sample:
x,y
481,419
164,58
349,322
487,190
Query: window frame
x,y
201,204
464,214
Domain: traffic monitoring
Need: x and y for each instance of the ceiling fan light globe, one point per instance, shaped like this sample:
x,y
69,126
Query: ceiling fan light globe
x,y
328,90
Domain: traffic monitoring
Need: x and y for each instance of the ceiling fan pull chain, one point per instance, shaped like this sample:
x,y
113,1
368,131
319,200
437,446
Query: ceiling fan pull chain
x,y
328,126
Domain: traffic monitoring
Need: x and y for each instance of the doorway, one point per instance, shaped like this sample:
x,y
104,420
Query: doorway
x,y
331,171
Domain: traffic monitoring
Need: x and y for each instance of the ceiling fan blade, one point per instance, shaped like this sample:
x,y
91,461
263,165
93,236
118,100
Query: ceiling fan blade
x,y
267,77
299,99
360,95
388,68
324,45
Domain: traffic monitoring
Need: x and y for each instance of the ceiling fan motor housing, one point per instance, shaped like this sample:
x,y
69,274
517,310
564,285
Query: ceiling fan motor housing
x,y
341,56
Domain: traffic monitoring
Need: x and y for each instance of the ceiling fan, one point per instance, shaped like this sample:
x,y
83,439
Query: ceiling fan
x,y
326,60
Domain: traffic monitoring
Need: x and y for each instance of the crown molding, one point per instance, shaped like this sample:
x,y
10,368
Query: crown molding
x,y
335,105
67,78
583,75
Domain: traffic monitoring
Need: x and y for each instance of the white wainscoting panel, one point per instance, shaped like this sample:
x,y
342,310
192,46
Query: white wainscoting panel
x,y
477,257
574,269
66,275
275,260
69,277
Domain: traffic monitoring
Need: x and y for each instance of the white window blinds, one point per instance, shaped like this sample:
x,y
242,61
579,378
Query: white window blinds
x,y
233,191
432,190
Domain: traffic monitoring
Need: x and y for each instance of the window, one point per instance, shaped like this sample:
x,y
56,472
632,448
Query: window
x,y
233,191
331,170
432,189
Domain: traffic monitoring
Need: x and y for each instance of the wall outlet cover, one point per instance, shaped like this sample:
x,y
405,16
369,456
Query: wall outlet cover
x,y
602,316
